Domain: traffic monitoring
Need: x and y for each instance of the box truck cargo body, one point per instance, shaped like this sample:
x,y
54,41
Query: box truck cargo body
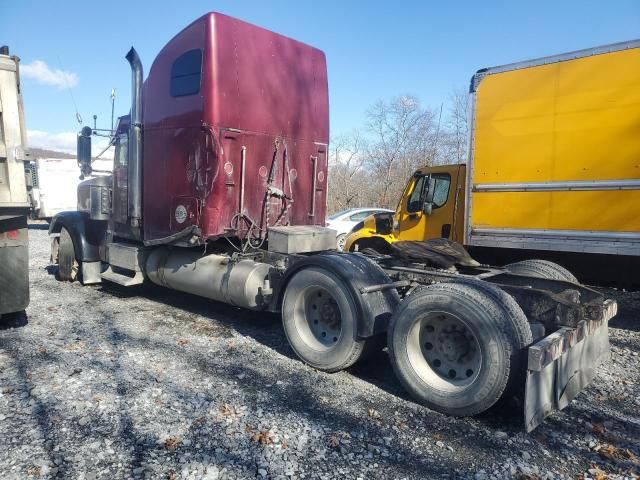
x,y
554,160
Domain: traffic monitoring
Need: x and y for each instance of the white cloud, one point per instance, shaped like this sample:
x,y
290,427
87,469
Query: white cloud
x,y
41,73
66,142
63,142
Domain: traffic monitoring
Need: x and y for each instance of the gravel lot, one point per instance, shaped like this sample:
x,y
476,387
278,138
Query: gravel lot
x,y
108,382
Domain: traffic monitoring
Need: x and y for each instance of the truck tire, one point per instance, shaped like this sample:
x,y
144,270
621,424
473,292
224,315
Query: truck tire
x,y
320,320
457,347
68,266
542,269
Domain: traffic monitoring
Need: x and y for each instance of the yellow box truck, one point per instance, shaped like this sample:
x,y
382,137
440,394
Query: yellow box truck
x,y
553,165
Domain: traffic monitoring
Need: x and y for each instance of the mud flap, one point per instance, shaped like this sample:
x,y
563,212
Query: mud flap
x,y
14,265
562,364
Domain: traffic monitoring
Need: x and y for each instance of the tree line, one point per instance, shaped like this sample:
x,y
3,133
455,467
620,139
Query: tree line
x,y
369,167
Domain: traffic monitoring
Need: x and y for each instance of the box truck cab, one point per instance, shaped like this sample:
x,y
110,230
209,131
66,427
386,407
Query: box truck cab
x,y
431,206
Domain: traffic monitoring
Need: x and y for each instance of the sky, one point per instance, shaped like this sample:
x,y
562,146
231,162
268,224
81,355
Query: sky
x,y
73,52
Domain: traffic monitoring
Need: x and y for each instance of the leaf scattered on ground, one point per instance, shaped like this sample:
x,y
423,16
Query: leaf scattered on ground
x,y
200,421
527,476
171,443
265,437
402,424
75,346
613,453
226,410
35,471
597,472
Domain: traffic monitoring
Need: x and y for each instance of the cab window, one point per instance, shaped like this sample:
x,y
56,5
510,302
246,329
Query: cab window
x,y
414,203
122,151
441,189
356,217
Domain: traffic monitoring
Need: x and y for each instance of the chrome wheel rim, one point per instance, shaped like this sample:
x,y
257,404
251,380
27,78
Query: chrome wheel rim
x,y
444,351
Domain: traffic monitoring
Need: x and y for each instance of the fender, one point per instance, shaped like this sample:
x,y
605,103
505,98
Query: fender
x,y
357,271
376,229
367,234
87,235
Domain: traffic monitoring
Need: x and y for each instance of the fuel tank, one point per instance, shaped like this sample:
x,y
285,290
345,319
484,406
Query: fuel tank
x,y
241,283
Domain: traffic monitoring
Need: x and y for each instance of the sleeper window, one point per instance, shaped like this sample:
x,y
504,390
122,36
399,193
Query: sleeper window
x,y
186,73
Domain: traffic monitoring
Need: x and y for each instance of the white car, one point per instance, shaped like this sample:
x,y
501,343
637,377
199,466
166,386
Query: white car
x,y
342,222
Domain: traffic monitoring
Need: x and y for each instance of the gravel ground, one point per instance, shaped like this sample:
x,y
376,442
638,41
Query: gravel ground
x,y
108,382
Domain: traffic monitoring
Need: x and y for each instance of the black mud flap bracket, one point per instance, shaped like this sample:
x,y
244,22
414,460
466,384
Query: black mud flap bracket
x,y
563,364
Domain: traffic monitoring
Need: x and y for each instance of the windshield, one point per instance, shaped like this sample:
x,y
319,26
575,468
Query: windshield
x,y
339,214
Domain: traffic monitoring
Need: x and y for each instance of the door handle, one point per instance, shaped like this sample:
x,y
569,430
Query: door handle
x,y
312,213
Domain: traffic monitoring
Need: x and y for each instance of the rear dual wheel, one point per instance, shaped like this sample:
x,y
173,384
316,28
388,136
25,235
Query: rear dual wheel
x,y
541,269
457,347
320,320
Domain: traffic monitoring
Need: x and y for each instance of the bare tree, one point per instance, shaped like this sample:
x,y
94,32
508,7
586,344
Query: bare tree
x,y
456,137
346,162
371,167
403,138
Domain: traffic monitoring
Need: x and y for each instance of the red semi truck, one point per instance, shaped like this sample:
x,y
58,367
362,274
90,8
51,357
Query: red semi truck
x,y
219,189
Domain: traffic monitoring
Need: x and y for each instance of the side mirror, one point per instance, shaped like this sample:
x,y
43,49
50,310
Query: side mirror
x,y
427,206
84,150
431,186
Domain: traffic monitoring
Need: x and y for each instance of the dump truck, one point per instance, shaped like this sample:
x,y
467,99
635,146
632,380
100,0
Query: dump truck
x,y
553,169
219,189
14,202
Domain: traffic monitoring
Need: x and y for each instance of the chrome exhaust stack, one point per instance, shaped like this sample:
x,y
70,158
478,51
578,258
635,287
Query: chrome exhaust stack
x,y
135,140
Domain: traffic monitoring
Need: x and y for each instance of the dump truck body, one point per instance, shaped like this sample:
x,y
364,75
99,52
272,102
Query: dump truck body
x,y
14,202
